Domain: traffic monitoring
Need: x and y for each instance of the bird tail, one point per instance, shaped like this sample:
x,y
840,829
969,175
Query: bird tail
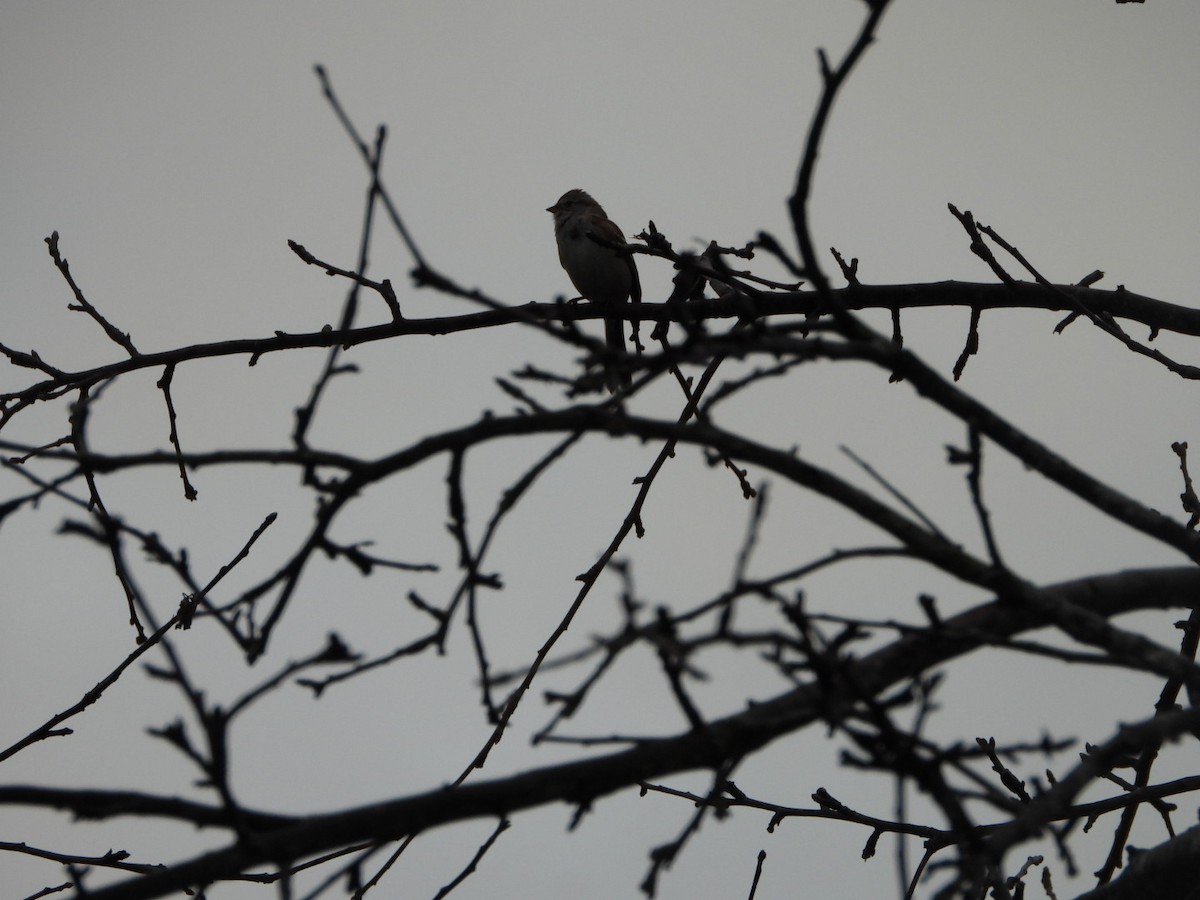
x,y
614,335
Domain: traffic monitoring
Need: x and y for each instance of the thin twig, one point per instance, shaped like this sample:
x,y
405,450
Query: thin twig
x,y
81,303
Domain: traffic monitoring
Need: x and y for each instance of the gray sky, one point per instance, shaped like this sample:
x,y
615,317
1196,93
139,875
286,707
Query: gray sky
x,y
177,147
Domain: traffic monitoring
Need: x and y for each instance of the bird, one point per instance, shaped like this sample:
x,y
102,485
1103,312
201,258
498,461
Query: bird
x,y
586,237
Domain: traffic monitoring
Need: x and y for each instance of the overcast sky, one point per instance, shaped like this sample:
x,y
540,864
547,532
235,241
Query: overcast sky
x,y
176,148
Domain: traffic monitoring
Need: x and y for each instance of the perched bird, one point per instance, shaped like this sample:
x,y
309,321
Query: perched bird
x,y
586,237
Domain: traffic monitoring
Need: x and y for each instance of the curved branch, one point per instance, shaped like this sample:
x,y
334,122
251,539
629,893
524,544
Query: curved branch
x,y
1157,315
729,738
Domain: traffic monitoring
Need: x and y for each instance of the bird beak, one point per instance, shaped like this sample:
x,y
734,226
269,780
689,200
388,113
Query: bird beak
x,y
552,209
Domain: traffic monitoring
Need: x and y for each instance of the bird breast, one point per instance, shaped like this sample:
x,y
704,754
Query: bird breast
x,y
597,272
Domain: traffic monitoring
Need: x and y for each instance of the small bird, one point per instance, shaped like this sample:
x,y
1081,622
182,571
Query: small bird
x,y
586,237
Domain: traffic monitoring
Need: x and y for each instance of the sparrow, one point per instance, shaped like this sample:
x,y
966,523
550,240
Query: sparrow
x,y
586,237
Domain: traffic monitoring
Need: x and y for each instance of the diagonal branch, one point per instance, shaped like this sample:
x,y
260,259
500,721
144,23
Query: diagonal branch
x,y
724,739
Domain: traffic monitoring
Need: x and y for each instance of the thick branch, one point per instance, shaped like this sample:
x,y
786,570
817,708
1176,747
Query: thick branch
x,y
1157,315
728,738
